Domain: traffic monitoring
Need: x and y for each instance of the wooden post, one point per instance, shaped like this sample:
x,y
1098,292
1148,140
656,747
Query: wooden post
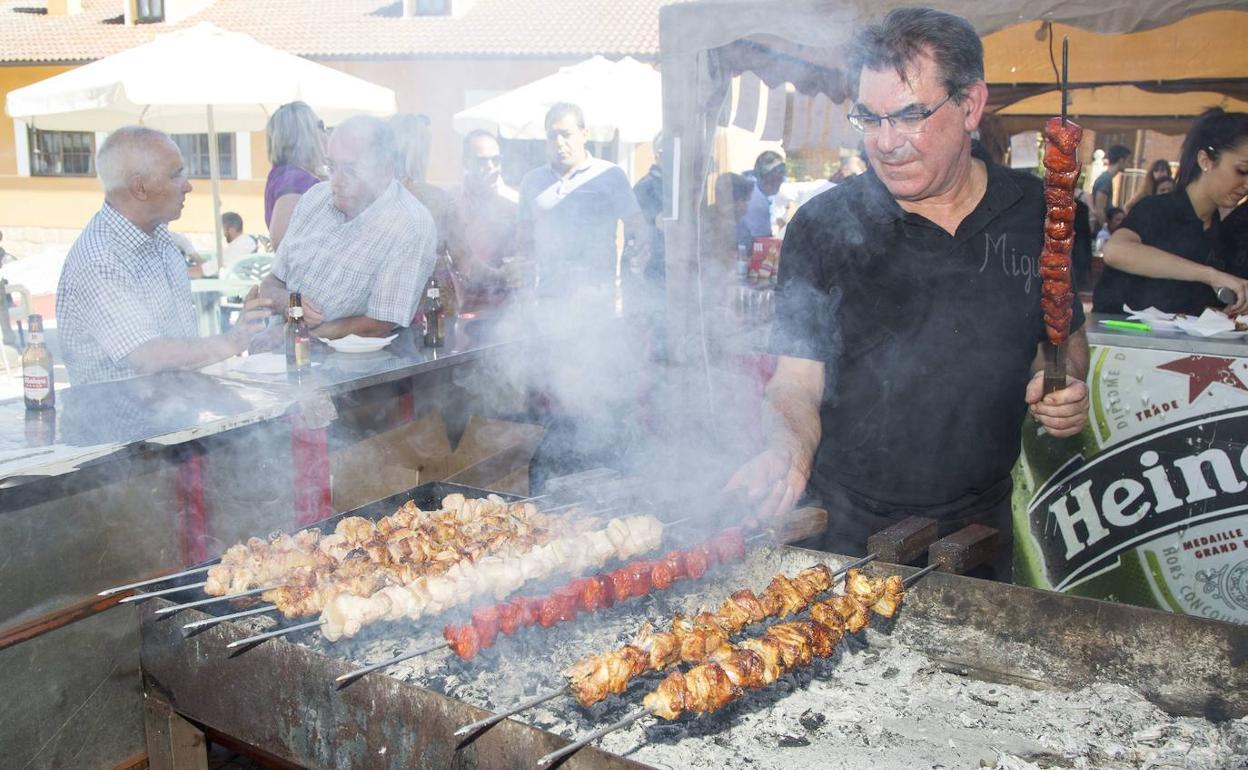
x,y
172,742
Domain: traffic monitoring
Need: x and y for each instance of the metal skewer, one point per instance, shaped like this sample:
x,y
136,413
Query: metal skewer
x,y
907,582
212,599
351,676
162,592
577,745
494,719
1055,355
151,581
221,618
276,633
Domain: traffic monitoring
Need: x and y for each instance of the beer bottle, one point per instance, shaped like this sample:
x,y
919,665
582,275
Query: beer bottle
x,y
435,317
298,340
444,271
37,377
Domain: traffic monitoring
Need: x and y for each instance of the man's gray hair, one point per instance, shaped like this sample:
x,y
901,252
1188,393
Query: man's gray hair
x,y
125,153
907,34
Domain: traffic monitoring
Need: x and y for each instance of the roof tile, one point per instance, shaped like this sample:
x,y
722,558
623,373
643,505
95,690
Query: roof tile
x,y
327,29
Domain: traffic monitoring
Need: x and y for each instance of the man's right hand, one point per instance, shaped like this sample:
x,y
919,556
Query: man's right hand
x,y
771,481
312,314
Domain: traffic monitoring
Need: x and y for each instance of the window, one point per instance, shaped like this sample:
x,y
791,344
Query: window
x,y
433,7
149,11
194,149
61,153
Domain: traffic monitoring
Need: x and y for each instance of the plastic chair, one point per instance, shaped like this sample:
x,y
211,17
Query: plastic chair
x,y
251,269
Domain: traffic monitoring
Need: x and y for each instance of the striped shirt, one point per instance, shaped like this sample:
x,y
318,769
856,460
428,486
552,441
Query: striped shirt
x,y
374,265
119,288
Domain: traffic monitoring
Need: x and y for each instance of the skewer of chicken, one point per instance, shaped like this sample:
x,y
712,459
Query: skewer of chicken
x,y
345,614
595,677
409,535
756,662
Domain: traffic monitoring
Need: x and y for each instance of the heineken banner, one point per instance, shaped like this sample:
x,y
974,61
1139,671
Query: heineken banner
x,y
1149,505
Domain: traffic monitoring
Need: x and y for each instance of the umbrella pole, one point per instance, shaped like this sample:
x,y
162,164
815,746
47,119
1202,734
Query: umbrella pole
x,y
214,163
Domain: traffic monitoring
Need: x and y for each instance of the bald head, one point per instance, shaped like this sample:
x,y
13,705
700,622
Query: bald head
x,y
361,161
143,175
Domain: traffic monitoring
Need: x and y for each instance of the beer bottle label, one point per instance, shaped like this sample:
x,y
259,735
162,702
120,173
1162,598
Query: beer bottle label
x,y
434,293
36,382
35,338
303,353
1148,504
296,312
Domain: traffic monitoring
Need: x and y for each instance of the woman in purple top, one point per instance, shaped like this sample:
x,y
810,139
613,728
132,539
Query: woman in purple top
x,y
296,143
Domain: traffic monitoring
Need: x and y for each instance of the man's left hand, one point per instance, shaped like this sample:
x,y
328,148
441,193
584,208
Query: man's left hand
x,y
1062,413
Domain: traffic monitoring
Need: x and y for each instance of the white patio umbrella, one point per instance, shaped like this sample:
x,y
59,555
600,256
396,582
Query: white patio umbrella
x,y
624,96
196,80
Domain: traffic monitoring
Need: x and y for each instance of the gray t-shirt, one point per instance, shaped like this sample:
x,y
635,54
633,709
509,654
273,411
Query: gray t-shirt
x,y
573,220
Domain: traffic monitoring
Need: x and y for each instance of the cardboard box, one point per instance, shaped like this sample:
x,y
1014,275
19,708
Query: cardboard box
x,y
389,462
492,454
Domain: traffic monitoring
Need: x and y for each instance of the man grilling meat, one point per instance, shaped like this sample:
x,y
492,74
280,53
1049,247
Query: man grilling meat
x,y
909,327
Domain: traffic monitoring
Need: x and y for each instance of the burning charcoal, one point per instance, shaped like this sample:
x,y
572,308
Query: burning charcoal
x,y
890,672
811,719
793,741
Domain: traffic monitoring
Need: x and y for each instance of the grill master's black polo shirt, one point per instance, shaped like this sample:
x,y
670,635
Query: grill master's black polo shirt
x,y
927,338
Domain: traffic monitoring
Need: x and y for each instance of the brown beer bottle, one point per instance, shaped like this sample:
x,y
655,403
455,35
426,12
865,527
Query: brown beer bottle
x,y
435,316
298,339
37,378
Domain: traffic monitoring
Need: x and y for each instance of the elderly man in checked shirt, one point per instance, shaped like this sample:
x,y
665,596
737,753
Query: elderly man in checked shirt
x,y
123,305
359,247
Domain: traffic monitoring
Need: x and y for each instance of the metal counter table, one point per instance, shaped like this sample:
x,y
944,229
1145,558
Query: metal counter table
x,y
139,477
1149,504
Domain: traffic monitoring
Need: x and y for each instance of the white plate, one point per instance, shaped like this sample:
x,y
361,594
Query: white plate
x,y
353,343
259,363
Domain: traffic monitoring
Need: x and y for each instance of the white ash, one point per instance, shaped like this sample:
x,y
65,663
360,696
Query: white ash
x,y
876,703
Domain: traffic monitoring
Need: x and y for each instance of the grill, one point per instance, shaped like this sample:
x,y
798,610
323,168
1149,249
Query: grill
x,y
968,671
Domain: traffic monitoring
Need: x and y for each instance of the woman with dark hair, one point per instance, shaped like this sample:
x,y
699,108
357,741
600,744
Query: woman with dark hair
x,y
1157,173
1169,253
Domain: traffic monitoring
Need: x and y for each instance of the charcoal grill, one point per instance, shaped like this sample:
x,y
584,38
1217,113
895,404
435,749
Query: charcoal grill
x,y
279,696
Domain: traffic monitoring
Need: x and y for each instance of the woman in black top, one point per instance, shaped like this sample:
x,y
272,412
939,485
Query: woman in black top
x,y
1166,253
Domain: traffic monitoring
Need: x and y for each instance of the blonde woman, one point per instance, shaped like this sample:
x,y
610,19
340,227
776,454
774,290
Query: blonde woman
x,y
296,145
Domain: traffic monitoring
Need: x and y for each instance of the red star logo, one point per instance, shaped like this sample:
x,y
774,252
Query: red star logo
x,y
1204,371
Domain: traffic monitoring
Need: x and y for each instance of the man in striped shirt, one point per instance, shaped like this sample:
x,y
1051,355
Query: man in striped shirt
x,y
123,305
359,247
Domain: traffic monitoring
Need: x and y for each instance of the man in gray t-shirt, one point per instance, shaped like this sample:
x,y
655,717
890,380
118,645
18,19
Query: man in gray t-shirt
x,y
569,210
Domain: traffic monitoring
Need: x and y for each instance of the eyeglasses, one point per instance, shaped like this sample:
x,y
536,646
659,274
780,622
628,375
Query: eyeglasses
x,y
908,121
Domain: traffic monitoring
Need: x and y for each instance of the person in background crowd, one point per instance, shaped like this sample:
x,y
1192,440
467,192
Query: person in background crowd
x,y
489,211
649,192
237,243
769,173
1114,217
359,247
1167,254
413,135
909,345
196,264
570,209
123,303
296,145
1103,188
1158,173
1165,186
